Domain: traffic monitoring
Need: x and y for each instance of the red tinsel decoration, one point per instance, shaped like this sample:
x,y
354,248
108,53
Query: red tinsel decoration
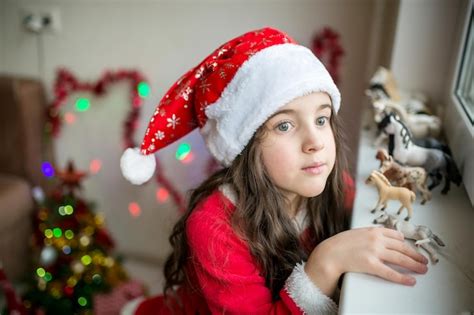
x,y
66,83
328,49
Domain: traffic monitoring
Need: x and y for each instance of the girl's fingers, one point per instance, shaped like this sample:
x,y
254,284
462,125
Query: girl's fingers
x,y
405,249
387,273
393,234
397,258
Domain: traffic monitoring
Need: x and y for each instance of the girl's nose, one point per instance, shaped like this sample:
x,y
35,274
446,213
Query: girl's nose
x,y
313,141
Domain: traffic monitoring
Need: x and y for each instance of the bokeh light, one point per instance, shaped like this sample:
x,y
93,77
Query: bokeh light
x,y
134,209
69,234
48,169
82,104
68,209
143,89
162,194
66,249
48,233
86,260
188,158
40,272
95,166
70,118
57,232
48,277
183,150
82,301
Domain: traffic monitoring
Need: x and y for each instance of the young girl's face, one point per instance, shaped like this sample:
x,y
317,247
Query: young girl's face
x,y
298,150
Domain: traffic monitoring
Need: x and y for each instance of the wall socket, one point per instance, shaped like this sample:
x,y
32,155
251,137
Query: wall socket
x,y
40,19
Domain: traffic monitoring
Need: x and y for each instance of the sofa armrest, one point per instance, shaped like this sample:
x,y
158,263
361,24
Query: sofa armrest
x,y
16,207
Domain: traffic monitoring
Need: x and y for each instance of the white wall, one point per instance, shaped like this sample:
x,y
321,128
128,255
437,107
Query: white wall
x,y
163,39
424,45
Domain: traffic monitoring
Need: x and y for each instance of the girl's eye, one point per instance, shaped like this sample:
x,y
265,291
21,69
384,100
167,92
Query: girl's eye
x,y
284,126
321,121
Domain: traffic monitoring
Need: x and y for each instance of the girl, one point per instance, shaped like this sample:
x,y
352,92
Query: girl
x,y
267,233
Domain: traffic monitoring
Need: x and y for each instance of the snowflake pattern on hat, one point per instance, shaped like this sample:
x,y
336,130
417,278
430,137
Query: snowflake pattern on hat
x,y
188,98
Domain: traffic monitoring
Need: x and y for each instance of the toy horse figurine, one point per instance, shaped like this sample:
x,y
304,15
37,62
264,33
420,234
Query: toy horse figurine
x,y
404,150
413,178
420,125
422,235
388,192
384,86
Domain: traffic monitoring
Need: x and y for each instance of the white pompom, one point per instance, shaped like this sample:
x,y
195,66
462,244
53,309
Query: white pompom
x,y
136,167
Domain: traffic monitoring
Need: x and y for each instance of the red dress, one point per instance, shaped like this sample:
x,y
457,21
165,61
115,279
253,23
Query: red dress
x,y
223,277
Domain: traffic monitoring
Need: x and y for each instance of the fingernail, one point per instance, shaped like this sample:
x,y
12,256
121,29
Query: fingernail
x,y
411,281
424,269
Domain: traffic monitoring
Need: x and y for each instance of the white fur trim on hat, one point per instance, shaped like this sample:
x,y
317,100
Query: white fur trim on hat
x,y
267,81
306,295
136,167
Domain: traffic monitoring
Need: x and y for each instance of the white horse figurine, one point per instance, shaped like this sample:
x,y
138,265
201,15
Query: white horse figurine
x,y
405,151
421,234
388,192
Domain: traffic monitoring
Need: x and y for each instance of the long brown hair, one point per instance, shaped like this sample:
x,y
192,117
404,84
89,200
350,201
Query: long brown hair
x,y
260,217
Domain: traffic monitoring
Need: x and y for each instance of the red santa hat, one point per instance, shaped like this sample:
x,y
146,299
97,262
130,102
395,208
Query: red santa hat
x,y
229,95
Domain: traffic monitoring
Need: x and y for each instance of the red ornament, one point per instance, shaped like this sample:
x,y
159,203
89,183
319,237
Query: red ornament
x,y
328,49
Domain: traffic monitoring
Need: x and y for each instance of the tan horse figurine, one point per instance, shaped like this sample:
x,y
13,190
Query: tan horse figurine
x,y
388,192
413,178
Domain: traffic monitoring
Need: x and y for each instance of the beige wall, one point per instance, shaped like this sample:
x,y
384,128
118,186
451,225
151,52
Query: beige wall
x,y
163,39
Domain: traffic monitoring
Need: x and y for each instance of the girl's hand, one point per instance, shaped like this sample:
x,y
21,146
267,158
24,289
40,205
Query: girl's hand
x,y
364,250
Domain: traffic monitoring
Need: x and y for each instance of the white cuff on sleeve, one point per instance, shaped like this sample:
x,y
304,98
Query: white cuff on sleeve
x,y
306,295
131,307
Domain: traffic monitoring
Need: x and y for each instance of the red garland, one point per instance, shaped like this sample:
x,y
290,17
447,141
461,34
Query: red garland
x,y
328,49
66,83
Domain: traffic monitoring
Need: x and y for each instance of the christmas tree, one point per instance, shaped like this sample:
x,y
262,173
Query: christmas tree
x,y
72,250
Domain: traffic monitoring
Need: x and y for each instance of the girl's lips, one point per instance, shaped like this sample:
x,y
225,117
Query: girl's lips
x,y
314,169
